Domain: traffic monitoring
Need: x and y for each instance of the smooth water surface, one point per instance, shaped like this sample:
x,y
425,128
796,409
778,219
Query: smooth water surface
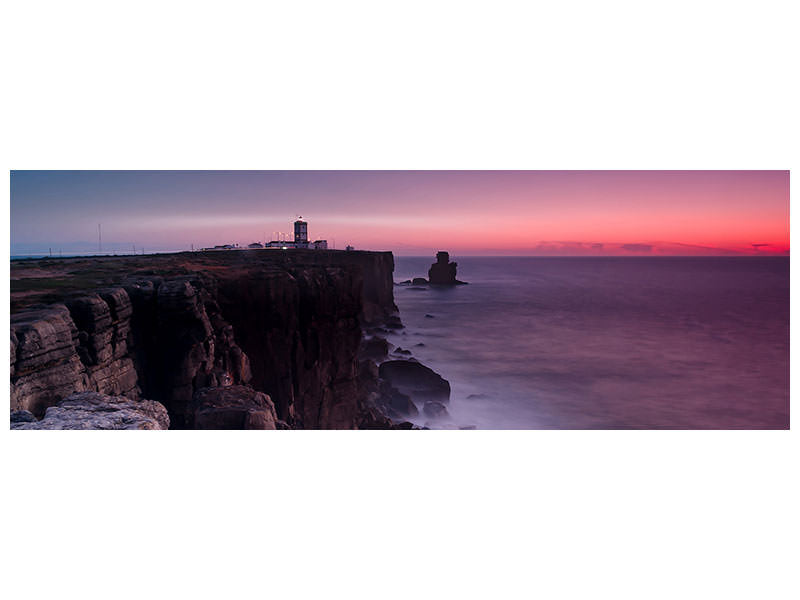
x,y
656,342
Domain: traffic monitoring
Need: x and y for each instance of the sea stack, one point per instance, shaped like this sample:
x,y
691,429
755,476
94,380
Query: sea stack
x,y
443,272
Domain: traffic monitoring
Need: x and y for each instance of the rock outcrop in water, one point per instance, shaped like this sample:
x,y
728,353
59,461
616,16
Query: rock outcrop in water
x,y
443,272
246,339
406,381
416,380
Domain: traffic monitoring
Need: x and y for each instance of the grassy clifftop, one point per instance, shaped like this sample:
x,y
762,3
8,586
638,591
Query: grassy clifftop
x,y
48,280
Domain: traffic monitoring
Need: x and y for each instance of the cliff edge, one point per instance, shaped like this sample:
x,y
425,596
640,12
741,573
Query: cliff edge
x,y
286,325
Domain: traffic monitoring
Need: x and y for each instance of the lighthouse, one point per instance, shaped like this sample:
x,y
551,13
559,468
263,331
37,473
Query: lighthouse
x,y
300,233
300,239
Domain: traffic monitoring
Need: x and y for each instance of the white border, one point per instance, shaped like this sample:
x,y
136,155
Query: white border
x,y
433,85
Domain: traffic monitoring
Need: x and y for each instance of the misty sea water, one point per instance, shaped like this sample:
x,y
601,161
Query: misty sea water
x,y
605,342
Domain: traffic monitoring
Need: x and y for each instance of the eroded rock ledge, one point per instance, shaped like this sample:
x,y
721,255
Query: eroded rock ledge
x,y
90,410
233,407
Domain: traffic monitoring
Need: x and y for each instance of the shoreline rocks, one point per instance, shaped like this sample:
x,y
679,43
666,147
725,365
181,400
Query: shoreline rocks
x,y
91,410
233,407
435,410
415,380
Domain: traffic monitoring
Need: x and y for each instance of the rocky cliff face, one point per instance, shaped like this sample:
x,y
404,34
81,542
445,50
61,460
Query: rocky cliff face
x,y
57,350
286,324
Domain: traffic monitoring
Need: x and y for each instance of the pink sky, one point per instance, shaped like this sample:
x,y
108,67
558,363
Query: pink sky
x,y
412,212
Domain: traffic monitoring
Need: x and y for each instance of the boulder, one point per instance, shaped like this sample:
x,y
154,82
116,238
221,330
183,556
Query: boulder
x,y
419,281
415,380
22,416
92,410
233,407
374,348
393,322
435,410
396,402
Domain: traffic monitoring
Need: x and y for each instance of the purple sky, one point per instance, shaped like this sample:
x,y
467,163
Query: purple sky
x,y
408,212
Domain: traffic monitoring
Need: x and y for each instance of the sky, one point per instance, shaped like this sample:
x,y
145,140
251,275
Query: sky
x,y
407,212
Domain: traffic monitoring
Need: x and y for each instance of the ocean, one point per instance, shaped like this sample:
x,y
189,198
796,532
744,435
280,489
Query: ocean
x,y
604,342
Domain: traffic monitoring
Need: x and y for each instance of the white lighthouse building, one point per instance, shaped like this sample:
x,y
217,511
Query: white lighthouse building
x,y
300,233
300,239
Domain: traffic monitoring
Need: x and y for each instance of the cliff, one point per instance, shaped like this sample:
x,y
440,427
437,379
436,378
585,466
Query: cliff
x,y
288,325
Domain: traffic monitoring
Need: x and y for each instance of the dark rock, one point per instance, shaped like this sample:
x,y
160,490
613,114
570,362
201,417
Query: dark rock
x,y
419,281
375,348
420,344
368,390
429,317
436,410
91,410
22,416
377,331
368,374
415,380
397,401
233,407
393,322
402,351
374,419
443,272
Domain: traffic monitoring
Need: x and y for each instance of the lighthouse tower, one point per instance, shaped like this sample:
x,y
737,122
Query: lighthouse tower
x,y
300,233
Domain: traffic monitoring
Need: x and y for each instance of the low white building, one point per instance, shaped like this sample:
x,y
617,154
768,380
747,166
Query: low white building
x,y
280,244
